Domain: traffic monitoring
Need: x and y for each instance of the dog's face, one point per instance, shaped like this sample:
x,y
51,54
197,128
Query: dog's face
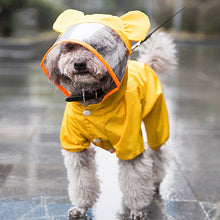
x,y
79,70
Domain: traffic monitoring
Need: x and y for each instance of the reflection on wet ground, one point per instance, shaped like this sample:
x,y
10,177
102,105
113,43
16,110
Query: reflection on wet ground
x,y
33,181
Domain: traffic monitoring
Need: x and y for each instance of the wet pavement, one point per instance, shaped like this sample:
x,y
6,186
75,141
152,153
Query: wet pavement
x,y
33,181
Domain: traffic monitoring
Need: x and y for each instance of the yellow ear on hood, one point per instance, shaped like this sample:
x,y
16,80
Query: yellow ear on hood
x,y
137,25
133,26
66,19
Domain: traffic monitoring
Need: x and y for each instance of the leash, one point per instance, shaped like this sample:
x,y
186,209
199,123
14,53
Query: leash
x,y
161,25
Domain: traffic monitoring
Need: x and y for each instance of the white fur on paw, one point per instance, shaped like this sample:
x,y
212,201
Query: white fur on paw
x,y
75,213
137,215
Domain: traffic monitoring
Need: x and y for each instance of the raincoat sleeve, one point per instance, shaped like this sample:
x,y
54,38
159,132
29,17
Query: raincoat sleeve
x,y
155,116
71,137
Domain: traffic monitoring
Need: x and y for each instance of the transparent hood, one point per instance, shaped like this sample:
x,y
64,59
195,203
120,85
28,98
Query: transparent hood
x,y
83,47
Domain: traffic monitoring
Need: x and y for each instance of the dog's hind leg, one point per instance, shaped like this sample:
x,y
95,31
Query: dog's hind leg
x,y
84,185
137,184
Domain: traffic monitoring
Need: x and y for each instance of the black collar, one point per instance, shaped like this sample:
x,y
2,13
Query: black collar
x,y
86,96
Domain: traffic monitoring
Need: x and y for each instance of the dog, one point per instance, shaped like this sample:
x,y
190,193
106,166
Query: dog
x,y
109,97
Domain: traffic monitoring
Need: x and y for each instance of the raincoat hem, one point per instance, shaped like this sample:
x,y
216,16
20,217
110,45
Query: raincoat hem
x,y
157,147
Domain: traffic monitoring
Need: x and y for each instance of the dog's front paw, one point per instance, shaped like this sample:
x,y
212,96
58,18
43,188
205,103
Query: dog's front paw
x,y
137,215
76,213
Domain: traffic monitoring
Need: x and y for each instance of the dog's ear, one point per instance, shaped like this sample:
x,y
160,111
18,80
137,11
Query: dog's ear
x,y
137,25
51,62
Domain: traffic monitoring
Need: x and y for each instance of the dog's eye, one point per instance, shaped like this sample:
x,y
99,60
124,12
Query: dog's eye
x,y
100,49
94,46
69,47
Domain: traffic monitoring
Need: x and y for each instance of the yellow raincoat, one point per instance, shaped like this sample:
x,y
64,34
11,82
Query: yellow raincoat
x,y
115,123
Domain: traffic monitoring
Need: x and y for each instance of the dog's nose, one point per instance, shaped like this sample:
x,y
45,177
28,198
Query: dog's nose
x,y
80,65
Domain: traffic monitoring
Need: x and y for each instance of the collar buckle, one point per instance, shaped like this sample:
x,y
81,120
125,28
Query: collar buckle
x,y
85,96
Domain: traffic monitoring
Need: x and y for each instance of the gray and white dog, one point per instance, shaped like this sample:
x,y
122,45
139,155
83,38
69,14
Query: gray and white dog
x,y
82,72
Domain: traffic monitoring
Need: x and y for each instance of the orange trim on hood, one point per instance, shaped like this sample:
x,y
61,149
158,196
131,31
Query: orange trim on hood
x,y
64,91
67,93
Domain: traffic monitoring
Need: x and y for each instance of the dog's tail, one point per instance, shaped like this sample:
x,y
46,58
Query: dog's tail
x,y
160,53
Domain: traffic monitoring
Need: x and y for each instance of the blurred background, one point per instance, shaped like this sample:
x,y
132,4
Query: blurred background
x,y
33,182
21,18
33,19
